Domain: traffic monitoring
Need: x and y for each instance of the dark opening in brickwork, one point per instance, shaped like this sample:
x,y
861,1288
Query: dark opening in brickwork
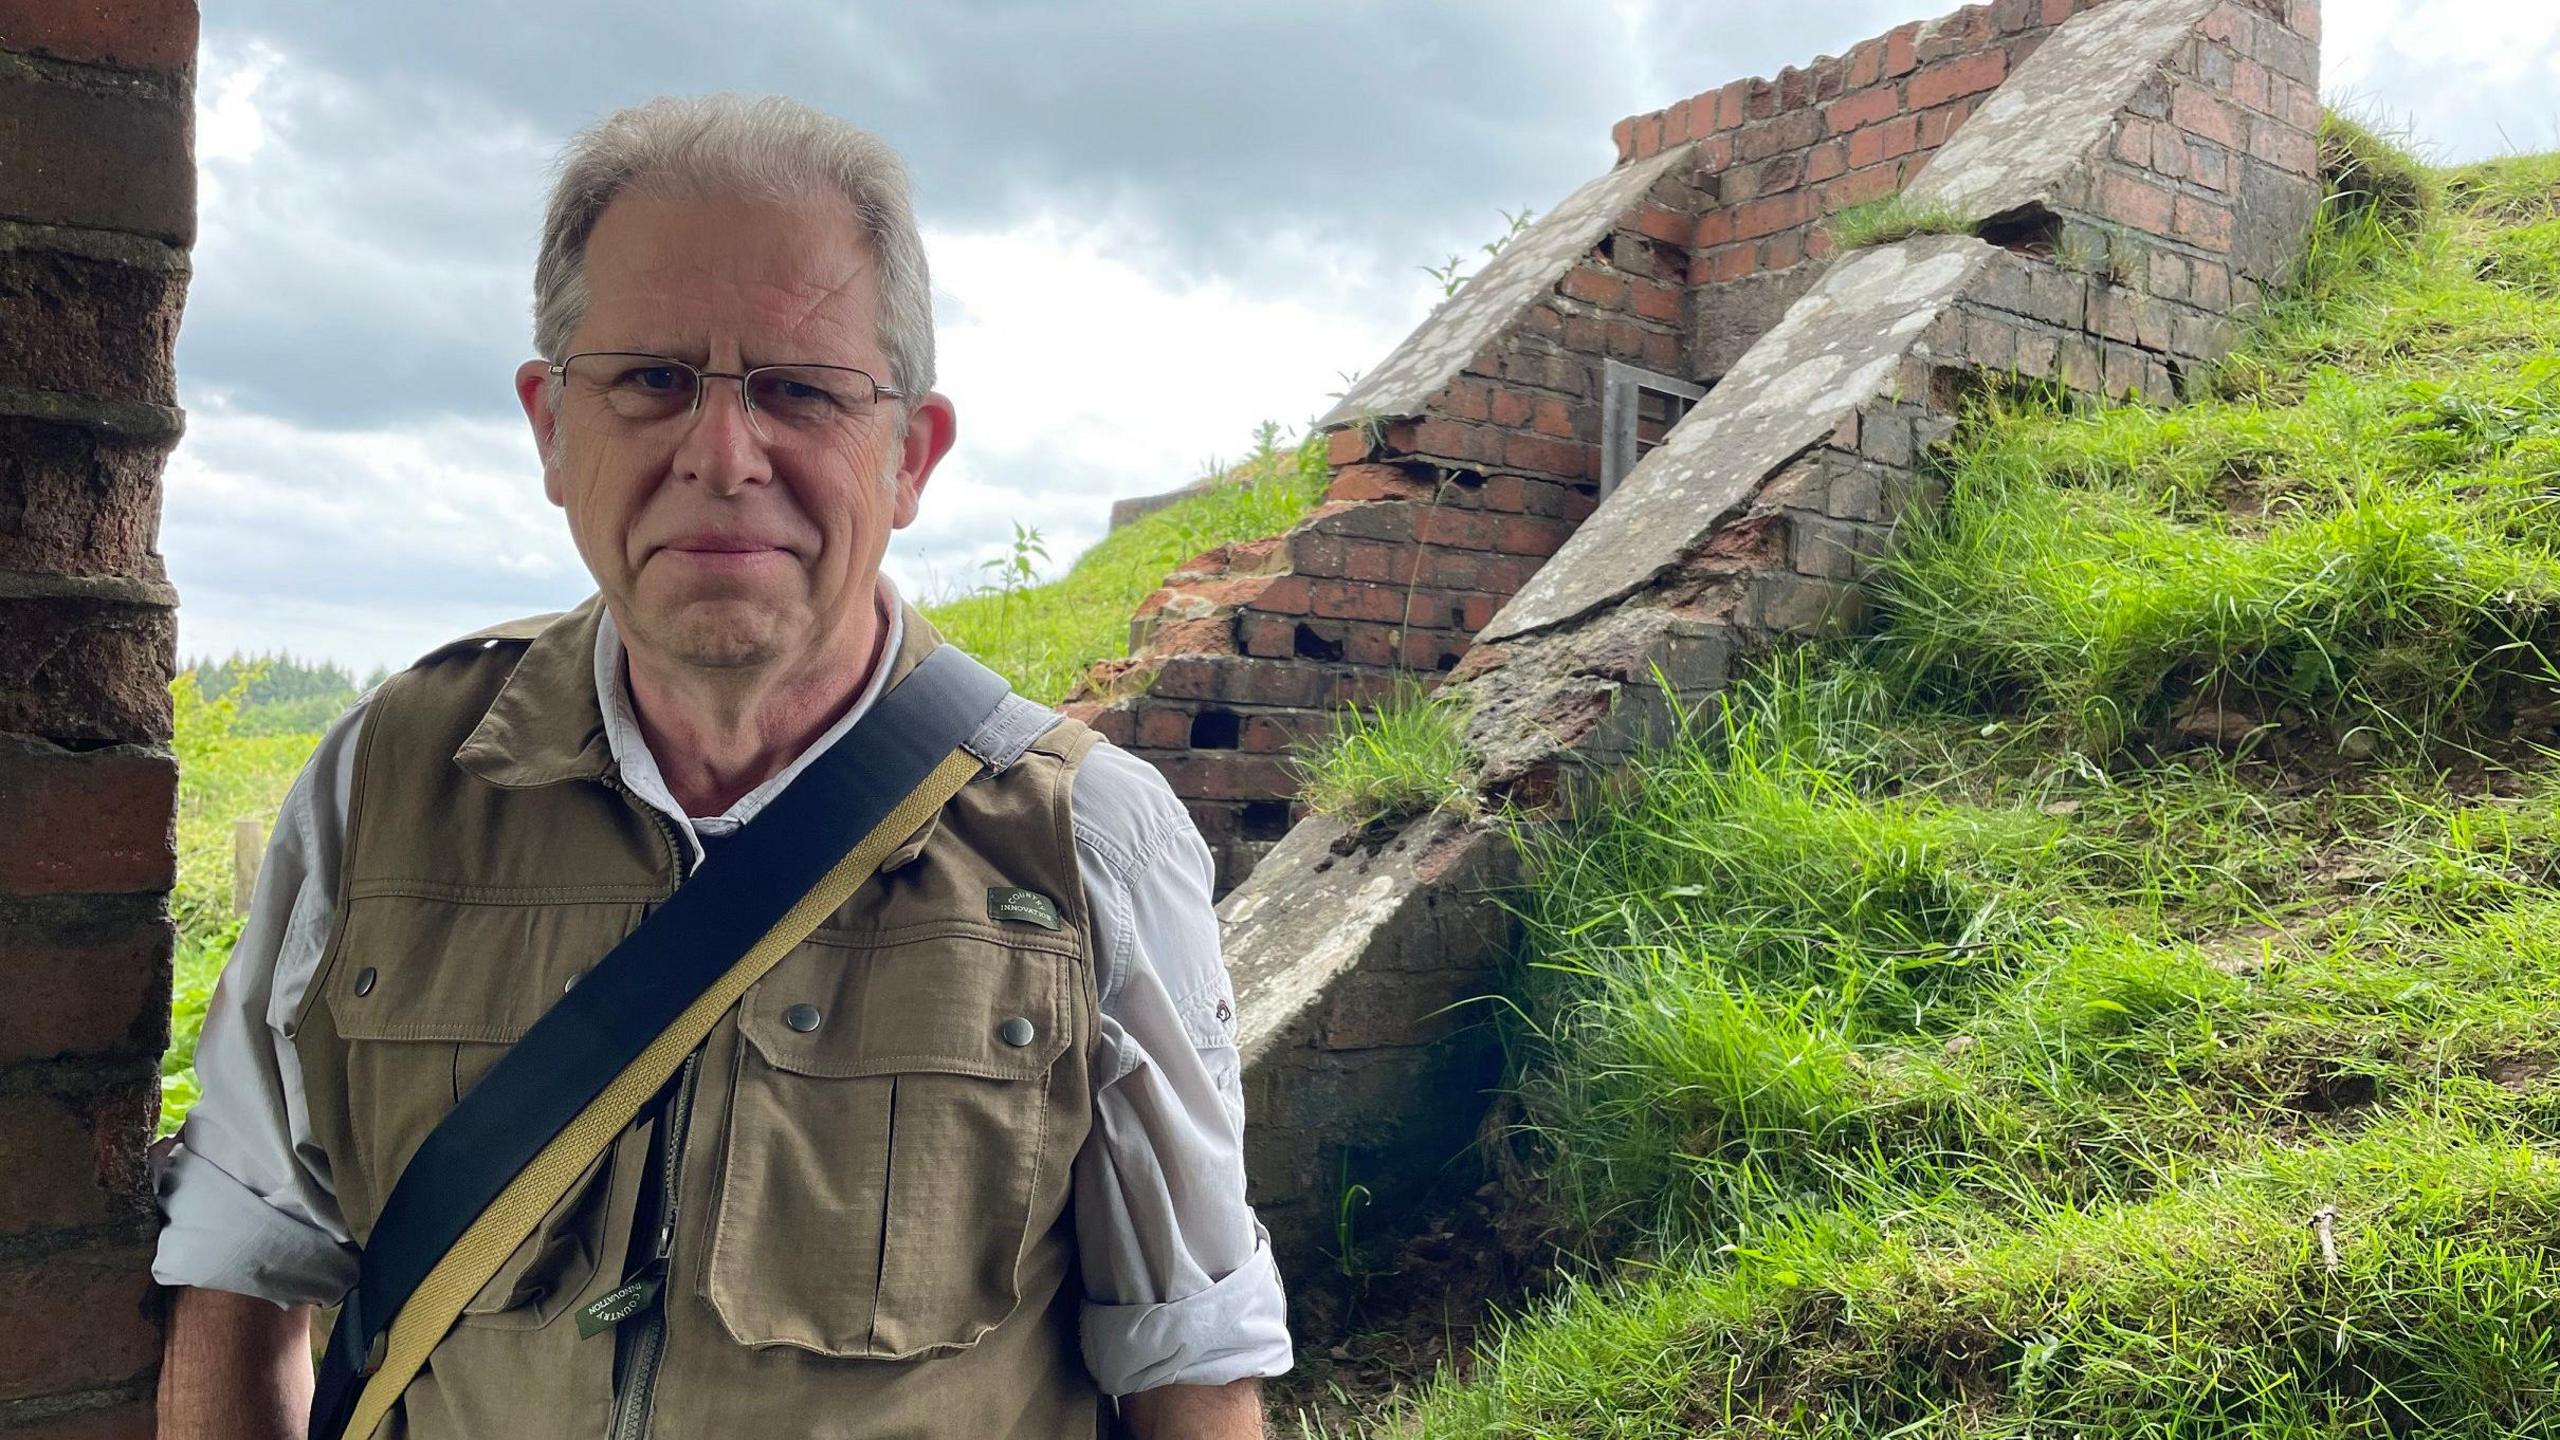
x,y
1264,819
1311,644
1216,730
2028,230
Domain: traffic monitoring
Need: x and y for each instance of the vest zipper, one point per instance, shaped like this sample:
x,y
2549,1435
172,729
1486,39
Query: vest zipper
x,y
632,1401
632,1404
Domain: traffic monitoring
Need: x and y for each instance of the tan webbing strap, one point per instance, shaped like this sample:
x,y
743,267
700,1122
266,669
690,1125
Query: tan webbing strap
x,y
433,1307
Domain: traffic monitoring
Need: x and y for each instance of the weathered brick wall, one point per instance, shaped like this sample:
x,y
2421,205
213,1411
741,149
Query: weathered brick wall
x,y
1451,490
1779,156
97,207
1753,527
1433,520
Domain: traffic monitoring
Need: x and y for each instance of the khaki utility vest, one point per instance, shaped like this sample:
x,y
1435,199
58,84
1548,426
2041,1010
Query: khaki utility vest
x,y
870,1234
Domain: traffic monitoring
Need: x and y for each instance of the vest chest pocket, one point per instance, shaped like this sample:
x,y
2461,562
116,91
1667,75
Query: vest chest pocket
x,y
422,1002
888,1144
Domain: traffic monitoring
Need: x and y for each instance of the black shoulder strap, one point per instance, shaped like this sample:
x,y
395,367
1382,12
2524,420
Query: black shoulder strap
x,y
596,1030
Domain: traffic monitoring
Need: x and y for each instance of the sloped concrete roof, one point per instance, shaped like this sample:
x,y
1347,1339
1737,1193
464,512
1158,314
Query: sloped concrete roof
x,y
1525,270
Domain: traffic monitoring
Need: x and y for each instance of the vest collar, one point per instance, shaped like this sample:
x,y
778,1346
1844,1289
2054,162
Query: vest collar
x,y
547,723
545,726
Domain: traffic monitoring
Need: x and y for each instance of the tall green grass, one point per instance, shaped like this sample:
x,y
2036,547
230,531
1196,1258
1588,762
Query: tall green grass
x,y
2120,994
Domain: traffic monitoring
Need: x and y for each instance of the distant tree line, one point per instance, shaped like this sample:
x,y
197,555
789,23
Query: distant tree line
x,y
279,694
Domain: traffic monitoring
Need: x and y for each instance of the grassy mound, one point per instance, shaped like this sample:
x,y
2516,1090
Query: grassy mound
x,y
1044,637
2120,995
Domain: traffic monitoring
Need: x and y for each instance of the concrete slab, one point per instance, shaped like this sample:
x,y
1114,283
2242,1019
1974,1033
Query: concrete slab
x,y
2027,141
1838,348
1526,269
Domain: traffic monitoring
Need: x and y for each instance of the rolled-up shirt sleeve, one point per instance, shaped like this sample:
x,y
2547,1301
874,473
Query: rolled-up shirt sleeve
x,y
1180,1287
246,1197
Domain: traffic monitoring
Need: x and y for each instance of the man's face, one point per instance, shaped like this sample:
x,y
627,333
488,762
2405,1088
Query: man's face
x,y
715,545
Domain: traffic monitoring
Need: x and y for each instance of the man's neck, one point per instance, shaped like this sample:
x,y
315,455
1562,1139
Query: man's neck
x,y
717,735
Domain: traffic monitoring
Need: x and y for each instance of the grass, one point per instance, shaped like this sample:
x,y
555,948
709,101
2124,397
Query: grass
x,y
1888,218
1403,757
1044,637
2119,995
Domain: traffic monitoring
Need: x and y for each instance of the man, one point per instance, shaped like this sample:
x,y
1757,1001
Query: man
x,y
965,1161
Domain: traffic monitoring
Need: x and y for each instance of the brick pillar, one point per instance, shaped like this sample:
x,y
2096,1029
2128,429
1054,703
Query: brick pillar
x,y
97,207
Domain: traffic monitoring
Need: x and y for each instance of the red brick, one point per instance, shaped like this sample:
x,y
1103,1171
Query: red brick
x,y
1656,302
1901,53
1858,187
1675,123
1622,135
1863,107
120,803
77,1161
1781,173
1463,400
2133,142
129,34
75,500
1227,775
1526,535
1378,482
1511,407
1269,637
76,1321
1281,595
1782,252
1661,350
1594,286
2130,201
1825,161
2303,18
1112,722
1478,612
1161,727
1547,456
1866,148
1278,734
2056,11
88,327
1347,445
1552,417
1767,217
93,977
2202,224
2200,112
1949,79
103,159
1866,63
1733,104
1714,228
1762,100
2249,84
1648,136
1664,224
1354,600
1795,89
1505,574
1368,644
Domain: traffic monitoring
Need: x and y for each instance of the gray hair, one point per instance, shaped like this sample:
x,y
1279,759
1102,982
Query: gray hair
x,y
763,146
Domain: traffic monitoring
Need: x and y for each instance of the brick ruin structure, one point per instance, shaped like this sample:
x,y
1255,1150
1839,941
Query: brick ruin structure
x,y
1665,429
97,209
1468,458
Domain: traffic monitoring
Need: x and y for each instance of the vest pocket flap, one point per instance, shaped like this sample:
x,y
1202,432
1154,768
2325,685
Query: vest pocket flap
x,y
420,968
956,1004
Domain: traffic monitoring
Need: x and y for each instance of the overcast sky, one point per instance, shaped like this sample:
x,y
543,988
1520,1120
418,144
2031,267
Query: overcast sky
x,y
1152,225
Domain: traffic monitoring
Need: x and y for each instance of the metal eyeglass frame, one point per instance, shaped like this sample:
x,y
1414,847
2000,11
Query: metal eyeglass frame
x,y
746,398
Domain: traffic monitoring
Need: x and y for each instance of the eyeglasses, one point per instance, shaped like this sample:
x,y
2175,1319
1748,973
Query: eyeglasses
x,y
800,401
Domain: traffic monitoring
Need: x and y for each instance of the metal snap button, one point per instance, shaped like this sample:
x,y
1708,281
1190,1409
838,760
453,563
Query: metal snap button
x,y
572,982
1016,1032
803,1018
364,981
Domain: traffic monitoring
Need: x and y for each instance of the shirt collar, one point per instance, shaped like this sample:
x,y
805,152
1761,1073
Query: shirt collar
x,y
629,750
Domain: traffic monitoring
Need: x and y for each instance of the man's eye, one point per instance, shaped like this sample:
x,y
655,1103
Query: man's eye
x,y
656,378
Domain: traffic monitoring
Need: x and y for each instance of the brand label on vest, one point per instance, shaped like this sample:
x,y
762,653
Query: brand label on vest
x,y
1028,907
616,1307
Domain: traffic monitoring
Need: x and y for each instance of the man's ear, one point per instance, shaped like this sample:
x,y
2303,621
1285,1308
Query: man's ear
x,y
932,425
533,383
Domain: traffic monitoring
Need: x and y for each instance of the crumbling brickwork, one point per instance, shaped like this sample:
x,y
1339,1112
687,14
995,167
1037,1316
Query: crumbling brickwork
x,y
2149,173
1475,449
97,208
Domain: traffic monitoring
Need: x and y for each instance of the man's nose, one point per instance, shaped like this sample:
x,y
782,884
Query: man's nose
x,y
721,449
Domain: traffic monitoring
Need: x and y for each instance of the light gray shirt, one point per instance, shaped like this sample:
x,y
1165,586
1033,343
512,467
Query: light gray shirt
x,y
1180,1288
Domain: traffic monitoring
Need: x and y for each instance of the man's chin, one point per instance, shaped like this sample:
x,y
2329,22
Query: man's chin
x,y
717,634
